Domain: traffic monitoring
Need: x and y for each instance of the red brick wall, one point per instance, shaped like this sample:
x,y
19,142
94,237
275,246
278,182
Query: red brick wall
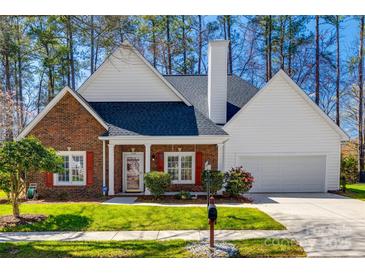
x,y
209,153
69,124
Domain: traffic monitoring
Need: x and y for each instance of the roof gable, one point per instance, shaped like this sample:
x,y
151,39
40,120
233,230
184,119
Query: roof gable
x,y
54,102
292,86
126,76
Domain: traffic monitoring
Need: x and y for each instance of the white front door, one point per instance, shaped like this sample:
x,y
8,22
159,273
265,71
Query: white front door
x,y
133,170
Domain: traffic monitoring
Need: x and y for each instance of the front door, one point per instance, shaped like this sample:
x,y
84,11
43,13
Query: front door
x,y
133,168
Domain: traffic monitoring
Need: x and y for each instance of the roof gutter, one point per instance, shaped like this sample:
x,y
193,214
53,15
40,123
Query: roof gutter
x,y
200,139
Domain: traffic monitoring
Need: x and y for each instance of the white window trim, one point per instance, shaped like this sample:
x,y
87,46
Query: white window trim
x,y
70,183
167,154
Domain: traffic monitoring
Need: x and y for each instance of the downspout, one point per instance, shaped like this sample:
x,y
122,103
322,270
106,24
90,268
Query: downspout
x,y
104,173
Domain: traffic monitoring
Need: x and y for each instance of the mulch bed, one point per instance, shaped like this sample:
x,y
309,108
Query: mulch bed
x,y
200,200
25,219
69,200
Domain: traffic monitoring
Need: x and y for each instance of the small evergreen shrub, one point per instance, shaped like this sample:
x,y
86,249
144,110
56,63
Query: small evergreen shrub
x,y
157,182
343,183
183,195
216,180
349,169
238,181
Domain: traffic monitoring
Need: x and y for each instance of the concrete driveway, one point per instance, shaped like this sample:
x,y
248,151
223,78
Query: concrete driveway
x,y
325,225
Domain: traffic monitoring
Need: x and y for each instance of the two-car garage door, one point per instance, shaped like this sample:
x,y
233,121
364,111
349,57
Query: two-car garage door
x,y
286,173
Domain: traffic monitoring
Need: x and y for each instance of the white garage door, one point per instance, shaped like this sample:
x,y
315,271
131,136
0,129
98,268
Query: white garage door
x,y
286,173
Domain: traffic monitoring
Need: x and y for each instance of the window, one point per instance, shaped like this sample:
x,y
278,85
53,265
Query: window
x,y
181,166
74,168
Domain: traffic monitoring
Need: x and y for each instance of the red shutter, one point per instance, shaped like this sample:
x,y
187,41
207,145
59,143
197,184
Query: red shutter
x,y
89,168
198,167
160,161
49,179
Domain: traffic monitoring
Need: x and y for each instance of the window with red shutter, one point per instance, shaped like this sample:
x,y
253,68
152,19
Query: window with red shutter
x,y
49,179
160,161
89,168
198,167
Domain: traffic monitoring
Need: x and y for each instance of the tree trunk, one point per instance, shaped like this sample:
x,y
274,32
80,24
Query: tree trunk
x,y
270,47
290,46
361,131
92,44
338,75
184,45
40,92
317,60
230,66
96,55
282,33
72,59
50,84
154,43
68,67
168,38
7,74
200,44
15,205
20,77
9,117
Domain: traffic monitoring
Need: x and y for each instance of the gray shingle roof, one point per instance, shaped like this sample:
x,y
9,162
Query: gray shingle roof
x,y
174,118
195,89
155,119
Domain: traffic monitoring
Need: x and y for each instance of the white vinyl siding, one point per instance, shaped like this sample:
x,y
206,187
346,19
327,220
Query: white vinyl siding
x,y
181,166
74,169
279,121
125,77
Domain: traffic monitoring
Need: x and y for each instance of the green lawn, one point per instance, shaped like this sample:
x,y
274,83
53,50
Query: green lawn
x,y
143,249
356,191
97,217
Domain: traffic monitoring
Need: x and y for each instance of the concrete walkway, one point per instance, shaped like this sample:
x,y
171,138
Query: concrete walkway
x,y
220,235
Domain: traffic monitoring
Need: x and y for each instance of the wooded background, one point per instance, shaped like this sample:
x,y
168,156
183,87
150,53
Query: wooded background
x,y
323,55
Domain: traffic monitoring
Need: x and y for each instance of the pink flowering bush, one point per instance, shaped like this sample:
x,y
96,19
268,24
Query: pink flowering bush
x,y
238,181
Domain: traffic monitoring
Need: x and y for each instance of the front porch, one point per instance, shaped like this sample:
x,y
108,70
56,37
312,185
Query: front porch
x,y
128,159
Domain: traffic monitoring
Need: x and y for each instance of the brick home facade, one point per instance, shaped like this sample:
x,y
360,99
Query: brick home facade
x,y
68,126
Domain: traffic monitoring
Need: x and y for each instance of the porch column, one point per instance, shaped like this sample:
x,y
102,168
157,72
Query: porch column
x,y
104,173
147,163
220,162
111,169
220,157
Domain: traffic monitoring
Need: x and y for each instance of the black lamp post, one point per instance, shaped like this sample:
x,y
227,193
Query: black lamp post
x,y
208,168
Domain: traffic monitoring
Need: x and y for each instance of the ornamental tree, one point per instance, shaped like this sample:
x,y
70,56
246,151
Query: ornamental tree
x,y
19,158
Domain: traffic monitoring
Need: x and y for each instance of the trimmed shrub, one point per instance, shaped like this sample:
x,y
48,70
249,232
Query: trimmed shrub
x,y
238,181
216,180
349,169
183,195
157,182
